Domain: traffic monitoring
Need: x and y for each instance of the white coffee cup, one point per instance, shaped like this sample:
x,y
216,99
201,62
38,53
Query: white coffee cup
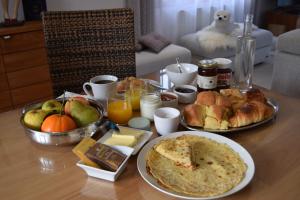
x,y
103,87
166,120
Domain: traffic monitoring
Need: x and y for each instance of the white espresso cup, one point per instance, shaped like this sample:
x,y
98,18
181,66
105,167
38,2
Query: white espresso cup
x,y
166,120
103,87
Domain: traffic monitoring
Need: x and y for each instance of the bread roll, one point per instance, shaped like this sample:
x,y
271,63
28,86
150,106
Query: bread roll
x,y
236,98
213,123
209,98
194,114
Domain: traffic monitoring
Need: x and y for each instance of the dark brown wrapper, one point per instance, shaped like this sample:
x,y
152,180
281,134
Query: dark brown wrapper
x,y
105,156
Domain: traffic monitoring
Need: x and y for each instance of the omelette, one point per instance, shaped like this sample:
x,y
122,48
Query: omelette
x,y
217,168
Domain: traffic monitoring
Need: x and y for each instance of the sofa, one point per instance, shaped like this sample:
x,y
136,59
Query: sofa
x,y
264,42
286,71
148,61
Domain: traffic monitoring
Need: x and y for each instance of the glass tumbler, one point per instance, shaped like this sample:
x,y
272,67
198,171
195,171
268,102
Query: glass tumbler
x,y
119,109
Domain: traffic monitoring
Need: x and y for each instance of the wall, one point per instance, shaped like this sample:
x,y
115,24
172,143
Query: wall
x,y
260,10
72,5
84,4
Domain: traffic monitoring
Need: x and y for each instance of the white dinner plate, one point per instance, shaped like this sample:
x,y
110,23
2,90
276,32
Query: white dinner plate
x,y
141,141
246,157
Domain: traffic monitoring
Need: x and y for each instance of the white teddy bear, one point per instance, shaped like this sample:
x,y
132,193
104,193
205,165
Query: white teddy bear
x,y
222,23
221,33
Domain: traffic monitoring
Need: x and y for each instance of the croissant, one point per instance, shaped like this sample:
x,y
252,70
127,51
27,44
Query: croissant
x,y
255,95
250,112
232,93
235,96
194,114
209,98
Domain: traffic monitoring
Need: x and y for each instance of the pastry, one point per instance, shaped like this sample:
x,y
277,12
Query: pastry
x,y
194,114
209,98
236,98
255,94
130,82
250,112
229,108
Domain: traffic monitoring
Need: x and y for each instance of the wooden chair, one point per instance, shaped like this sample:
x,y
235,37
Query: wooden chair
x,y
83,44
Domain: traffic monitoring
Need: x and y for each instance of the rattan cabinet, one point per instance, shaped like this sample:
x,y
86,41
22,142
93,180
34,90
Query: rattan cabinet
x,y
24,72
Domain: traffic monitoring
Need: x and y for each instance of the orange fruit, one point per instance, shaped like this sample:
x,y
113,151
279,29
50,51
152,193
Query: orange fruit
x,y
58,123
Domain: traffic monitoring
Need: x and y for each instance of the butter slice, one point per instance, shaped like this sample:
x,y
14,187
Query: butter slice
x,y
131,132
123,140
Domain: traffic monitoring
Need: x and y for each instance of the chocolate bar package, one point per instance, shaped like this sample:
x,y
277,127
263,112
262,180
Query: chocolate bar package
x,y
105,156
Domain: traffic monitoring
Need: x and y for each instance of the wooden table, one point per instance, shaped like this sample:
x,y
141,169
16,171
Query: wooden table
x,y
30,171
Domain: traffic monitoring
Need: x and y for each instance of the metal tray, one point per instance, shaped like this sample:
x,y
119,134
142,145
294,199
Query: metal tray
x,y
270,101
65,138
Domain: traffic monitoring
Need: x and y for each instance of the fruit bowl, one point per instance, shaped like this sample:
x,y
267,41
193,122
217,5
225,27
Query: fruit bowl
x,y
63,138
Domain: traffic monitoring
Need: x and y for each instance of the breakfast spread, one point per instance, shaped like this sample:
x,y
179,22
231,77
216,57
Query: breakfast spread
x,y
189,164
195,166
229,108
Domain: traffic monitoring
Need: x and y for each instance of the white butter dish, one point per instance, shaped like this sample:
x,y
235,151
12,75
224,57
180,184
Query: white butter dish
x,y
105,174
141,141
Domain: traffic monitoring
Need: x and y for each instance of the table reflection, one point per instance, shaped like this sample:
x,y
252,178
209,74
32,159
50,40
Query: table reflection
x,y
51,159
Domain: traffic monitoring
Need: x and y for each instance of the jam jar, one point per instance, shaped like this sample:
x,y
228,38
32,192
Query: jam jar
x,y
224,73
207,75
224,77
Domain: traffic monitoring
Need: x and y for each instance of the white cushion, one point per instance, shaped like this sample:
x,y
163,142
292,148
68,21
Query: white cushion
x,y
290,42
149,62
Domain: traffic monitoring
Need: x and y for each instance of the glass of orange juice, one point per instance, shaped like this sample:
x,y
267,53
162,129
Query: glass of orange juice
x,y
134,93
119,109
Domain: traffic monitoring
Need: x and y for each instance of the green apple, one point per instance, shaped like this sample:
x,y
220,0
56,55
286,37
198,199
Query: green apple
x,y
52,106
34,118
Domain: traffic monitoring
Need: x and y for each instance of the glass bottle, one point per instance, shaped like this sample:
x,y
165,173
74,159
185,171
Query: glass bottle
x,y
245,54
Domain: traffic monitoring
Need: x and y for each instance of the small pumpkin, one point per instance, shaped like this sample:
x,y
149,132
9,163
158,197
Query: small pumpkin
x,y
58,123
